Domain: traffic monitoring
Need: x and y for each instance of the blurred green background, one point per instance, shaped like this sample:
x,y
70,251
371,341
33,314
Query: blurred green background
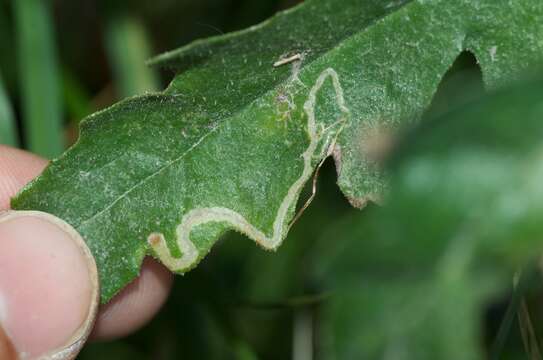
x,y
62,60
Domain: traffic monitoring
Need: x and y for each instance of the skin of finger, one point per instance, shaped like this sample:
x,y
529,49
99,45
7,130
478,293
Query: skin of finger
x,y
131,308
113,321
53,293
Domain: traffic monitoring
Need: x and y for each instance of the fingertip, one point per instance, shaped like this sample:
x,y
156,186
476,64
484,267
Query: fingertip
x,y
136,304
48,285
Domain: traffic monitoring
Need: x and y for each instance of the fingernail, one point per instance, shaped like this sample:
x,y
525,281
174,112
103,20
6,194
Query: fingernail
x,y
48,286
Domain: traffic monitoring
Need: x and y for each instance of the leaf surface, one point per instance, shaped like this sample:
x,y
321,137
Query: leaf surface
x,y
250,115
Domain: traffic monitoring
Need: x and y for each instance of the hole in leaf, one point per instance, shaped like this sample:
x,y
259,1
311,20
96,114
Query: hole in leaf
x,y
463,83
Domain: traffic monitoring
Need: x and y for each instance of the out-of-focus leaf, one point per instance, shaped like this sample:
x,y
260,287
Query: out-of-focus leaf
x,y
464,213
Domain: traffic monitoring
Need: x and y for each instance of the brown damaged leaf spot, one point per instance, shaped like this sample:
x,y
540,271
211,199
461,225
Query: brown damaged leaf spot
x,y
376,143
154,239
337,156
361,203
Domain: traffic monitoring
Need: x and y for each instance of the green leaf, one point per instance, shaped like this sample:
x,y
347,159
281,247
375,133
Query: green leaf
x,y
410,279
250,115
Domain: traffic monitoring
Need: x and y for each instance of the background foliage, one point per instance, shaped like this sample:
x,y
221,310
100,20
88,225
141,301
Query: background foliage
x,y
241,302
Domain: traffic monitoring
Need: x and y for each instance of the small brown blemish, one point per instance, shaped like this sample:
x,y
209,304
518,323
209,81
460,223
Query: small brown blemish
x,y
337,156
376,143
154,239
6,347
361,203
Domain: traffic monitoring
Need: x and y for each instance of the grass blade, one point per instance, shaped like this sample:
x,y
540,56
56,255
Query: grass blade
x,y
39,78
529,337
8,134
77,101
128,49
